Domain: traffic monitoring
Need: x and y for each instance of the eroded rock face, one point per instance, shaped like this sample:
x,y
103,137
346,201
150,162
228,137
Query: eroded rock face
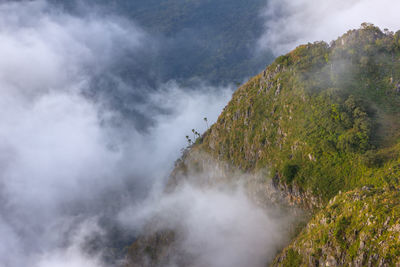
x,y
269,79
295,196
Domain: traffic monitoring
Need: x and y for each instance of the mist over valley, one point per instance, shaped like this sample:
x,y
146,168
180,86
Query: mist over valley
x,y
174,133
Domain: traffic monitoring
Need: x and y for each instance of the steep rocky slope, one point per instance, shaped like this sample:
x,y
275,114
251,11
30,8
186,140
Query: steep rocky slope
x,y
323,119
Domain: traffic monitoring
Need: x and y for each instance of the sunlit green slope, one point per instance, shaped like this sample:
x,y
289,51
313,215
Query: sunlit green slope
x,y
323,117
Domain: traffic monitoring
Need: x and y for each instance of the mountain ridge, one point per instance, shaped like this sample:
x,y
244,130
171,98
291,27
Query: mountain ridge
x,y
322,120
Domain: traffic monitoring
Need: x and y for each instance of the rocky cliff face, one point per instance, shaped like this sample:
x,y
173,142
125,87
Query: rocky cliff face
x,y
264,188
321,120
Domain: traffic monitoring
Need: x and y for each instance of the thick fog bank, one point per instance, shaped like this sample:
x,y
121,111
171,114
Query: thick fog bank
x,y
214,225
91,125
69,161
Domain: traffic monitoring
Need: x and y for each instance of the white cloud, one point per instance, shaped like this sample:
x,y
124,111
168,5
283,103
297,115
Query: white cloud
x,y
215,224
215,227
61,152
293,22
73,255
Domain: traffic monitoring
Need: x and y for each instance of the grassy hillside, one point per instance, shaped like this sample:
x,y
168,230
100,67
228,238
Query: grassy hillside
x,y
324,120
323,117
358,228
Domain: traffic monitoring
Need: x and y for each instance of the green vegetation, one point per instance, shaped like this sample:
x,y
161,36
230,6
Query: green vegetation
x,y
325,117
293,258
357,228
289,172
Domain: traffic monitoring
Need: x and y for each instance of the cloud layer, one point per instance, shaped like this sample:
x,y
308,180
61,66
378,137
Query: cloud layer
x,y
213,226
68,158
291,23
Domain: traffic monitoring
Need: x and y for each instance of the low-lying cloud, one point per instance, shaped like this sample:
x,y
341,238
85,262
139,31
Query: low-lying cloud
x,y
213,226
291,23
68,159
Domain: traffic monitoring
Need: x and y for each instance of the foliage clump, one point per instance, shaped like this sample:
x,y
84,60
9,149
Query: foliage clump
x,y
289,172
